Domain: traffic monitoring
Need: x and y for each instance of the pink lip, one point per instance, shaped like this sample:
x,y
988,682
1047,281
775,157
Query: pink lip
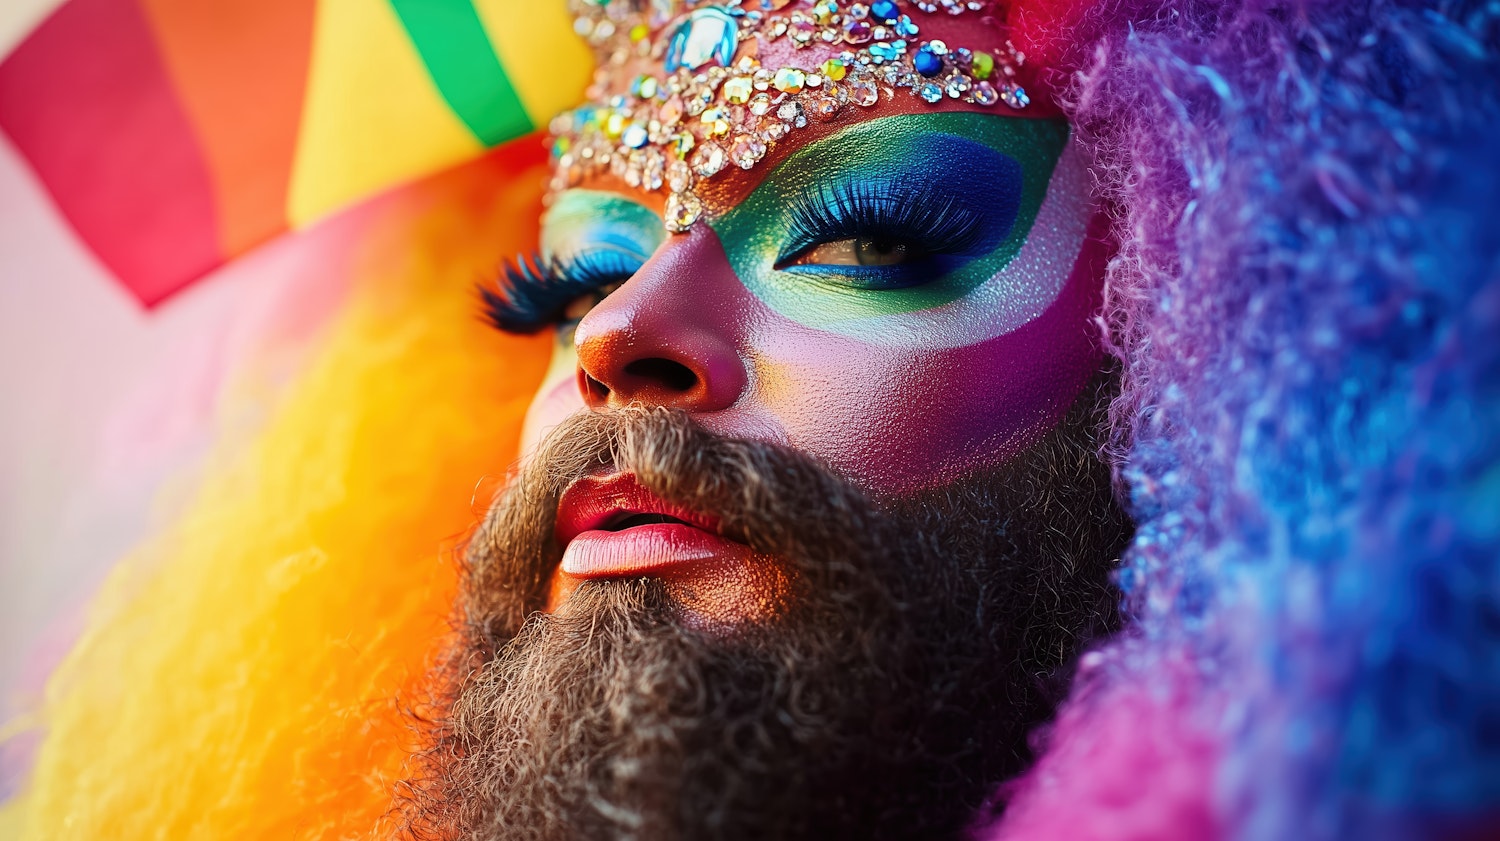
x,y
591,504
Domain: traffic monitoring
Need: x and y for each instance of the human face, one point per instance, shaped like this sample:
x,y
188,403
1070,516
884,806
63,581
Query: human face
x,y
961,341
905,295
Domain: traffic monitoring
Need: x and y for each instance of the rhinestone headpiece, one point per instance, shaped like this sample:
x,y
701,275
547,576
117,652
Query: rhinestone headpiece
x,y
708,102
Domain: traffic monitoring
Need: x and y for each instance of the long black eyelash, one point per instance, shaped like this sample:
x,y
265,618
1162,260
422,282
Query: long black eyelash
x,y
938,223
534,289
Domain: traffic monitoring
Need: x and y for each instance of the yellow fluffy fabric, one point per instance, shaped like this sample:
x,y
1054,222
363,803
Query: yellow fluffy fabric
x,y
244,675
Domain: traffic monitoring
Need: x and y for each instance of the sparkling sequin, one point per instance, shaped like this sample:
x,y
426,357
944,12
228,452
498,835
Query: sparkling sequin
x,y
707,159
927,62
634,136
715,122
708,34
683,209
857,32
789,80
737,90
746,150
981,65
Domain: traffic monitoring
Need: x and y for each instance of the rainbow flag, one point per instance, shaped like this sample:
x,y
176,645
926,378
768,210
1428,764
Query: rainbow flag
x,y
177,134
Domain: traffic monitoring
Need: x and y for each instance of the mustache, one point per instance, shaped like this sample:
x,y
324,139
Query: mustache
x,y
749,487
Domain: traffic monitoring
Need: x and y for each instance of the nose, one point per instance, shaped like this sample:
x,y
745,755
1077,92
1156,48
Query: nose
x,y
669,336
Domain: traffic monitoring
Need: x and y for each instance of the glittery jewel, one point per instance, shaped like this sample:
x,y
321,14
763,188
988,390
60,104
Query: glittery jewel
x,y
885,11
708,34
715,104
683,209
927,62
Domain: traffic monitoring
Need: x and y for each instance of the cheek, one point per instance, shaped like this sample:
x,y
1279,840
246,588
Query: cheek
x,y
899,420
555,399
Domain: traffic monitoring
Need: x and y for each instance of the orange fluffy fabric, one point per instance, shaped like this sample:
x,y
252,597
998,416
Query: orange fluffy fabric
x,y
244,674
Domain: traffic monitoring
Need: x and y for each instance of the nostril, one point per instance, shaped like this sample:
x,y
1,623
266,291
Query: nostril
x,y
674,375
597,390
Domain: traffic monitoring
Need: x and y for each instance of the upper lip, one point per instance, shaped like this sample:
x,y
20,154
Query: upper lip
x,y
599,502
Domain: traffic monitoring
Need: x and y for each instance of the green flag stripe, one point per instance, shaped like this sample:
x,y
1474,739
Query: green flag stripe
x,y
453,45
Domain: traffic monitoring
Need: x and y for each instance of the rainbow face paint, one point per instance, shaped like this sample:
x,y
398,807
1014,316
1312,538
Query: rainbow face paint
x,y
913,173
959,338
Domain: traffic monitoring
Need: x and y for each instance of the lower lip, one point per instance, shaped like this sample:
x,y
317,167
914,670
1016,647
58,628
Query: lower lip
x,y
657,549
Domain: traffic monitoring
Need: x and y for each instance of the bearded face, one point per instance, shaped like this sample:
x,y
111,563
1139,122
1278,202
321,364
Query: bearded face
x,y
809,523
878,682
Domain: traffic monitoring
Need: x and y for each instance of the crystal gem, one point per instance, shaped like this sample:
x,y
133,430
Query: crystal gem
x,y
708,159
814,80
1016,98
834,70
985,94
708,34
859,11
644,86
982,64
885,10
881,53
927,62
826,107
857,32
639,32
746,150
789,80
880,33
957,86
863,93
603,31
679,176
715,122
614,125
681,144
937,47
932,92
790,111
683,210
774,130
760,104
926,6
671,111
802,31
737,89
634,136
824,11
633,174
905,28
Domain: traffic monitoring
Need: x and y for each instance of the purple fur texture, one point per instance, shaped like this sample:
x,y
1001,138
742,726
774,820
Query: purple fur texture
x,y
1306,304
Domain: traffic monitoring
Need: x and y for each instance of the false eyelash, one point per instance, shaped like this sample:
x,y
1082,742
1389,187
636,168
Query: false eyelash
x,y
536,289
936,223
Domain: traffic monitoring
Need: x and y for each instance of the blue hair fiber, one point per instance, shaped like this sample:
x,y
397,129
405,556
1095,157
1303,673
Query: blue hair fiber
x,y
1306,306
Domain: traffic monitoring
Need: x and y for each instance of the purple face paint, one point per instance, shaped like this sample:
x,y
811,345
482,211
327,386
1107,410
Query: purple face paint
x,y
962,341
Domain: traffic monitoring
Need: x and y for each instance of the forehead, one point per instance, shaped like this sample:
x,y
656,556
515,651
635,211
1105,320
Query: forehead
x,y
692,106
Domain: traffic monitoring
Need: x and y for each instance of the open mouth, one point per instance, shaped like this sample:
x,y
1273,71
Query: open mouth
x,y
629,520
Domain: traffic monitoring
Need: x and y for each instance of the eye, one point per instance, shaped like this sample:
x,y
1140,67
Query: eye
x,y
879,235
537,292
861,251
576,309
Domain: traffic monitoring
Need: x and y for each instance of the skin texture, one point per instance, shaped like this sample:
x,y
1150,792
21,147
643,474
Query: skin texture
x,y
897,389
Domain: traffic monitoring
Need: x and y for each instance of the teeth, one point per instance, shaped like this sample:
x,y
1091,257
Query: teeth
x,y
645,519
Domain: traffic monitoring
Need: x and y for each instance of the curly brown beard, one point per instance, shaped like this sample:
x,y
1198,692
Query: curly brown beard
x,y
925,638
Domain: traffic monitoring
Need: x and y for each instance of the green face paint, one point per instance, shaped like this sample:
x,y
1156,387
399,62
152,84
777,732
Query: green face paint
x,y
581,223
969,184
